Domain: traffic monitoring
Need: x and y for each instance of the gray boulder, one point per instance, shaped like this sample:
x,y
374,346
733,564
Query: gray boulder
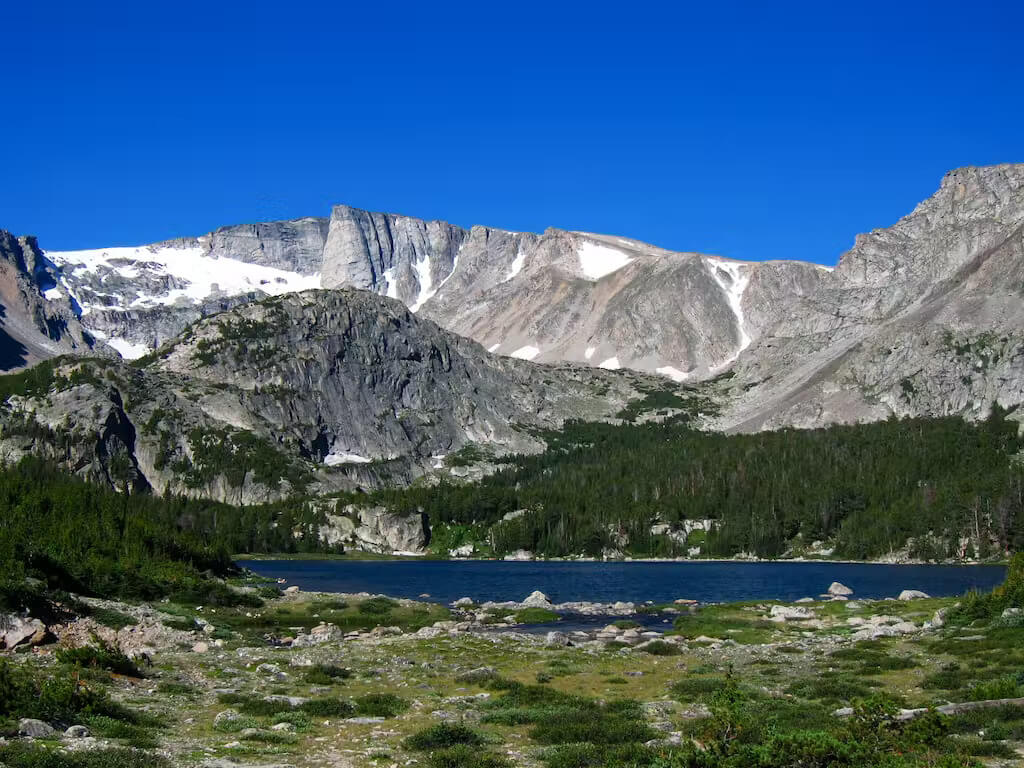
x,y
912,594
35,729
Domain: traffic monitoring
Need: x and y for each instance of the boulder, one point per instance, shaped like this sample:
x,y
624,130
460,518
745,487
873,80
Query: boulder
x,y
76,732
789,613
835,588
15,630
35,729
318,635
292,590
556,639
537,599
466,550
463,602
912,594
200,647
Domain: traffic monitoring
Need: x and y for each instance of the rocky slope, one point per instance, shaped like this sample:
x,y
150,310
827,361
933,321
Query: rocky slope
x,y
559,296
312,391
923,318
36,321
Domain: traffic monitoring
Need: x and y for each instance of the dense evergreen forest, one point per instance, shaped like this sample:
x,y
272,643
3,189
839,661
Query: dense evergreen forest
x,y
950,487
868,488
75,536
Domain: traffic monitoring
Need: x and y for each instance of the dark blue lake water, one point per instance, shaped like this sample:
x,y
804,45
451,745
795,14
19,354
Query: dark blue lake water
x,y
446,581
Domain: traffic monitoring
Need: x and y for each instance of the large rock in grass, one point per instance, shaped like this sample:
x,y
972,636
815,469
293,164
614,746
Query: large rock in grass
x,y
912,594
789,613
15,630
35,729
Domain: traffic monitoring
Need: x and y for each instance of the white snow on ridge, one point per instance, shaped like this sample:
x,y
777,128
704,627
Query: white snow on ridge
x,y
590,352
203,275
422,268
334,459
127,349
51,294
733,286
494,347
612,364
526,353
673,373
516,267
392,284
597,261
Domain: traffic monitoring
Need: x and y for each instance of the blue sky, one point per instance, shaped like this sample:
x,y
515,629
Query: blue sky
x,y
751,130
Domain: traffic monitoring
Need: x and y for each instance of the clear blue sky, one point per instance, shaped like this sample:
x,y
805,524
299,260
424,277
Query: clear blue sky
x,y
753,130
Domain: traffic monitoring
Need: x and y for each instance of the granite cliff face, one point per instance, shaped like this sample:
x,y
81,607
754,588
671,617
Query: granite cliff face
x,y
37,321
306,392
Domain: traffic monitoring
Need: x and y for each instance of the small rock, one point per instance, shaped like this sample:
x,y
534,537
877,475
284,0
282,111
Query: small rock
x,y
556,639
76,732
37,729
788,613
15,630
463,602
912,594
200,647
288,727
835,588
292,590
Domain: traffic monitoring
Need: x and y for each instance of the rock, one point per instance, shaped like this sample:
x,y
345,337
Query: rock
x,y
200,647
912,594
463,602
537,599
556,639
624,608
789,613
466,550
292,590
1007,613
429,632
287,727
478,675
519,554
15,630
35,729
227,716
804,600
839,589
319,635
76,732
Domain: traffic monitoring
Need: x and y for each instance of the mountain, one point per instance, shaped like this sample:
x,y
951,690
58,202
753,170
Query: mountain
x,y
313,391
923,318
36,322
559,296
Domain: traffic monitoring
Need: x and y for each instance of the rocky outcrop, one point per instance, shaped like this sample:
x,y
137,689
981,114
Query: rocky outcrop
x,y
922,318
37,320
310,392
375,529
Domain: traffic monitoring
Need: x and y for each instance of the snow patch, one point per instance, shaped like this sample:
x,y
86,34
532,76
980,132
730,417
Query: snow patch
x,y
51,294
392,285
201,274
590,352
596,261
734,284
516,267
334,459
127,349
673,373
422,268
494,347
526,353
612,364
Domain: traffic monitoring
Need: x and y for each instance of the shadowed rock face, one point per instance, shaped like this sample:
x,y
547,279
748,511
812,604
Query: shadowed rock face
x,y
33,328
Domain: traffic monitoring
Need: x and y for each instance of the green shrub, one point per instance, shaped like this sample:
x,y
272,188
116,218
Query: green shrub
x,y
103,655
466,756
660,648
380,705
27,755
111,618
326,674
377,606
328,707
442,736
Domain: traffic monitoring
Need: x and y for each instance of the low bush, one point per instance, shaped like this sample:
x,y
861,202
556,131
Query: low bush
x,y
328,707
380,705
326,674
103,655
377,606
466,756
444,735
27,755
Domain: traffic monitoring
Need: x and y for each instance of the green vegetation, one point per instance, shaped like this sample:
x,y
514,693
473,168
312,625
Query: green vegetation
x,y
868,488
